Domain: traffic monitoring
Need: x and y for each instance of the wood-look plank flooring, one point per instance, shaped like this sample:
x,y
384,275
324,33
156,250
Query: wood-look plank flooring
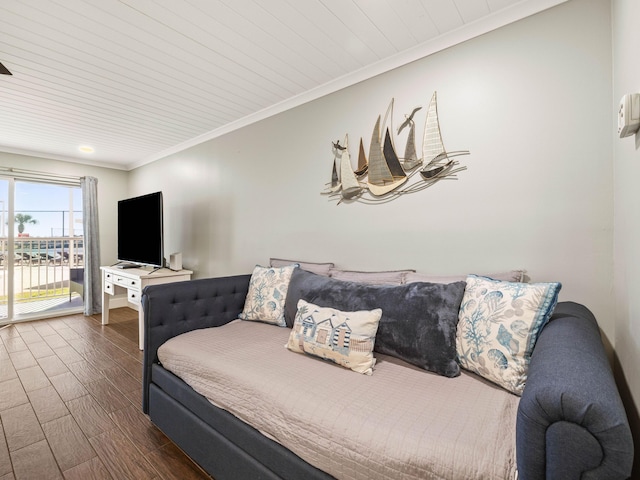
x,y
70,404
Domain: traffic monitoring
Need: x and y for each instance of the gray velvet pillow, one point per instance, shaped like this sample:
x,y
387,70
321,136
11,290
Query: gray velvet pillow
x,y
418,323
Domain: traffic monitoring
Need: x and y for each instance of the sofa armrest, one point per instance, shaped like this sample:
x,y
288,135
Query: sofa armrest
x,y
175,308
571,422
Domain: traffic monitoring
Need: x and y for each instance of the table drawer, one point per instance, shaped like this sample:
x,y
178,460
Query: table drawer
x,y
127,282
108,287
134,296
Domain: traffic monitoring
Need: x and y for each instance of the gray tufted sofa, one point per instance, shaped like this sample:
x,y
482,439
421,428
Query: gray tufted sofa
x,y
570,424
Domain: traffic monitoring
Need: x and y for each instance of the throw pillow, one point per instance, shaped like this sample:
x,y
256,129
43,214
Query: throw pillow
x,y
319,268
511,276
267,294
499,325
418,323
387,277
345,338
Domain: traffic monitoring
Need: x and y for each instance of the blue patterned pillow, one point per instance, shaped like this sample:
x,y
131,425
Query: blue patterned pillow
x,y
499,323
267,294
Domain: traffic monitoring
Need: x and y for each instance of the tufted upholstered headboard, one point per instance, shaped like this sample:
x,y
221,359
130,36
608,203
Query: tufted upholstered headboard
x,y
207,302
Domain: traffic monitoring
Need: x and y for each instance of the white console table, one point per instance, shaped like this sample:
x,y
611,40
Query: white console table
x,y
133,280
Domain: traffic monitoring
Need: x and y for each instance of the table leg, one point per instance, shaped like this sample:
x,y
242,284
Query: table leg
x,y
140,327
105,307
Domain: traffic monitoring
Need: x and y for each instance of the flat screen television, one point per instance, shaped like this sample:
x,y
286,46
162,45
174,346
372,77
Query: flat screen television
x,y
140,231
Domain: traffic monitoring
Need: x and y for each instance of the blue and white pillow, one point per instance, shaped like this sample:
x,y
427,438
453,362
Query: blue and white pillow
x,y
267,294
499,323
344,338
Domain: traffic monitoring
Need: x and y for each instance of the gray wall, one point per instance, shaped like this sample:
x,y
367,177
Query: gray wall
x,y
112,186
626,38
531,101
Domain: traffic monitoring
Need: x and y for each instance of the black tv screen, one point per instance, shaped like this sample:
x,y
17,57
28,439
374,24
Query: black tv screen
x,y
140,233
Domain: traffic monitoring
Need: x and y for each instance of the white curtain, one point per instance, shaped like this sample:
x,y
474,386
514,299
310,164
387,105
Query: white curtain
x,y
92,283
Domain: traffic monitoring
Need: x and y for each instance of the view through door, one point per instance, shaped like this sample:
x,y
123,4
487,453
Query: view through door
x,y
41,250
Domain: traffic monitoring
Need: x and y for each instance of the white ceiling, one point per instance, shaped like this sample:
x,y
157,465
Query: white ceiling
x,y
140,79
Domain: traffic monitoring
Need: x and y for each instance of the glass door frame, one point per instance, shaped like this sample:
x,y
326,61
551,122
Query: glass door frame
x,y
11,241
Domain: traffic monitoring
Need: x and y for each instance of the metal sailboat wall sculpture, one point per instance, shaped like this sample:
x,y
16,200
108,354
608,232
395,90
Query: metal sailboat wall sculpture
x,y
388,176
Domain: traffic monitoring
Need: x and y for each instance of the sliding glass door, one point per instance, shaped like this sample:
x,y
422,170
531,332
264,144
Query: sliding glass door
x,y
41,249
6,251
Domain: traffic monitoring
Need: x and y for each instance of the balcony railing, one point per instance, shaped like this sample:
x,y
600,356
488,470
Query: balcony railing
x,y
43,268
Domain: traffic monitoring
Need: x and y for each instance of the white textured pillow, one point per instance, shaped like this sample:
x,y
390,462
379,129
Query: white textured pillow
x,y
387,277
510,276
498,326
345,338
267,294
313,267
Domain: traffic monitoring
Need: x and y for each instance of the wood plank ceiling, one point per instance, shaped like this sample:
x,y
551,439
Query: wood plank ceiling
x,y
138,79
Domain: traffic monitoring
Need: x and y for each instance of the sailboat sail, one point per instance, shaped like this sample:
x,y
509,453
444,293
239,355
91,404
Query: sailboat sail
x,y
410,155
385,171
335,182
410,159
378,169
362,161
392,158
437,162
432,145
350,185
334,186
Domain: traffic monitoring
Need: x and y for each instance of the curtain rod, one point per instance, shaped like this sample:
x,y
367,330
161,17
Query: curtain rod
x,y
24,174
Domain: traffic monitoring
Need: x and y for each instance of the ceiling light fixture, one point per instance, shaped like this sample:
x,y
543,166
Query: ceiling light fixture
x,y
86,149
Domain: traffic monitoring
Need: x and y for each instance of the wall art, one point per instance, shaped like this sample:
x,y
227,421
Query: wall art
x,y
384,176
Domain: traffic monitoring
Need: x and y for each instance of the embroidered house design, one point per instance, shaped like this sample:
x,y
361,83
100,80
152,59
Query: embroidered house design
x,y
336,337
308,327
324,333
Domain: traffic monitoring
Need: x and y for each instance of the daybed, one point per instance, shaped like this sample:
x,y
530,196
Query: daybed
x,y
276,414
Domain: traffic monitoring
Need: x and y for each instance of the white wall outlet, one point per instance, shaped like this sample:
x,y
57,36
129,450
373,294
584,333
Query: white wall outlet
x,y
629,115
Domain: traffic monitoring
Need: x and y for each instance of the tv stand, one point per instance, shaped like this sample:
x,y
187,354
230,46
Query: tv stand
x,y
127,265
132,280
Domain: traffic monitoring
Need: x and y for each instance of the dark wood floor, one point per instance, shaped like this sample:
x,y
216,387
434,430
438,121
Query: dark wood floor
x,y
70,396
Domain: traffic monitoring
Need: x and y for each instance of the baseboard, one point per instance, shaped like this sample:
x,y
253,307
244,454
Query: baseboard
x,y
119,301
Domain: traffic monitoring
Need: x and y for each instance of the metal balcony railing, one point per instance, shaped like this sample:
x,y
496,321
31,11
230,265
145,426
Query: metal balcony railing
x,y
43,268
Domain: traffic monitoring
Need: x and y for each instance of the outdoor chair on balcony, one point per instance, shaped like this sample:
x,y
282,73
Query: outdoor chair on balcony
x,y
76,281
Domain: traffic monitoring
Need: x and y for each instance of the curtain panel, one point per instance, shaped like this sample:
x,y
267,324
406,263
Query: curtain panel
x,y
92,283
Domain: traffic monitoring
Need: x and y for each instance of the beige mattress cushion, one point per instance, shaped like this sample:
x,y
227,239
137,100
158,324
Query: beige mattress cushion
x,y
399,423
